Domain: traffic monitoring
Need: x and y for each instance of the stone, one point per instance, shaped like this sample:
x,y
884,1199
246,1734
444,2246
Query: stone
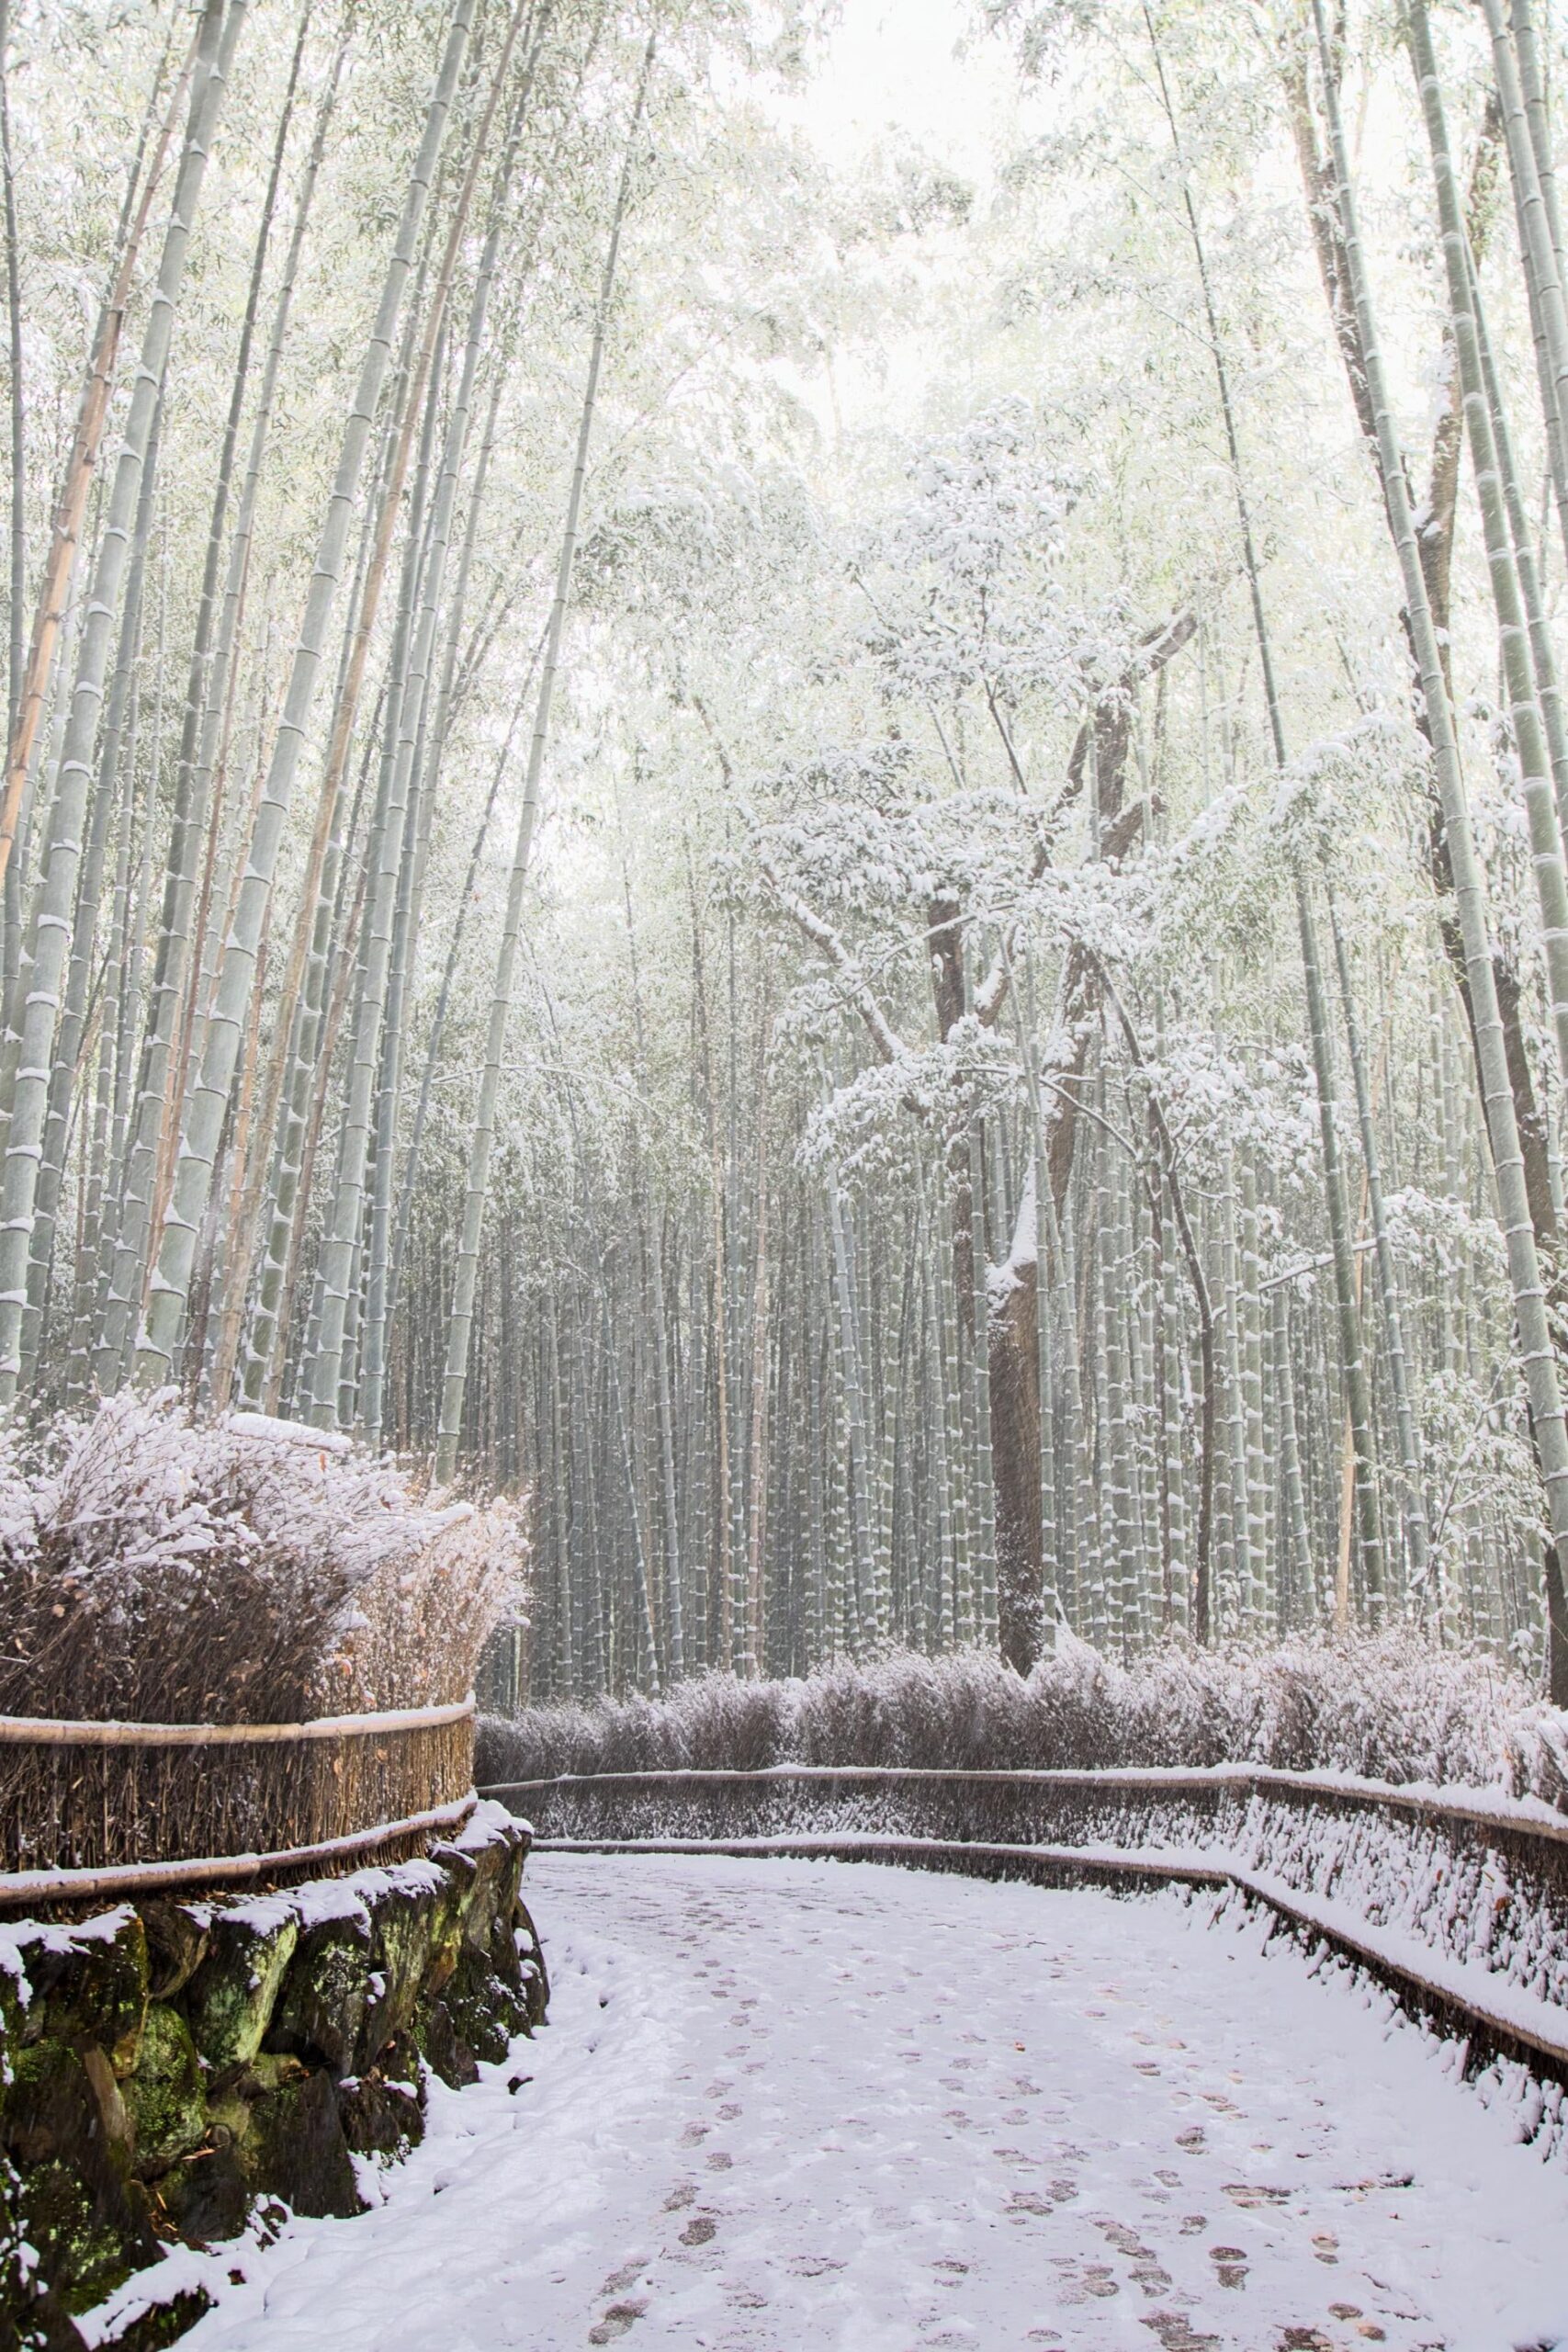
x,y
163,2323
496,1860
113,2116
176,1944
206,2198
530,1954
31,2319
442,2045
67,2132
59,2100
88,2236
417,1935
89,1985
380,2118
36,2323
485,2011
326,1994
229,2001
166,2091
294,2148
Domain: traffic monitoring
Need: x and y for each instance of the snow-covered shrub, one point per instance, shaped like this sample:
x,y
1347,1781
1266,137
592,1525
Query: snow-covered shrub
x,y
161,1568
1390,1707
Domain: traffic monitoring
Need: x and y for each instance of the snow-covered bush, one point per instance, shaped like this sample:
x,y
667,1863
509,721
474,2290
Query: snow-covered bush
x,y
1392,1708
161,1568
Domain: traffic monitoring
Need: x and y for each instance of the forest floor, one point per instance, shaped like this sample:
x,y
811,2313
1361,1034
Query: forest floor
x,y
784,2105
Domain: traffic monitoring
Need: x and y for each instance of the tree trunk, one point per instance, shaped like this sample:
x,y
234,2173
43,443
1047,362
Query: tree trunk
x,y
1015,1402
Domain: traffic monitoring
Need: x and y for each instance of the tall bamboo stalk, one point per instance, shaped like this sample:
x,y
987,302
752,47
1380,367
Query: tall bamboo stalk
x,y
477,1192
56,892
160,1084
1536,1359
70,507
1352,1367
209,1099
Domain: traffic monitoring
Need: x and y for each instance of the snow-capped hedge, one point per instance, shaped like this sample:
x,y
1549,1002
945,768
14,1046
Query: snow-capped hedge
x,y
161,1568
1392,1708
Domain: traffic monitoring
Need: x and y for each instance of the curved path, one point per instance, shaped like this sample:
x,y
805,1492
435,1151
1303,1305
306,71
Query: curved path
x,y
784,2105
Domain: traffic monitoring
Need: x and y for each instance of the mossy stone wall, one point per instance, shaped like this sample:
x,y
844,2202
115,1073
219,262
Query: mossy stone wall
x,y
169,2067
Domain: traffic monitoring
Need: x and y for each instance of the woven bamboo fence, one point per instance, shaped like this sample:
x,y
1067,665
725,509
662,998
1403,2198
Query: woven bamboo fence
x,y
1455,1901
115,1798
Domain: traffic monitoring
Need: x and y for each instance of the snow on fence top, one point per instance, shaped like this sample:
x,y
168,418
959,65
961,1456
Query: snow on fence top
x,y
383,1841
53,1731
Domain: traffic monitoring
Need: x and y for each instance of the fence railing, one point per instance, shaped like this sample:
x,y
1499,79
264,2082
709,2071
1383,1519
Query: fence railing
x,y
1457,1900
120,1804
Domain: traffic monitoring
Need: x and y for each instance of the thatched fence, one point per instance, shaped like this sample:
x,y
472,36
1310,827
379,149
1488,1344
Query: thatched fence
x,y
1455,1900
99,1809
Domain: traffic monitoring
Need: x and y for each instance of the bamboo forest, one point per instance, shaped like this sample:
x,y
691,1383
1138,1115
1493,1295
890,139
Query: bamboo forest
x,y
818,814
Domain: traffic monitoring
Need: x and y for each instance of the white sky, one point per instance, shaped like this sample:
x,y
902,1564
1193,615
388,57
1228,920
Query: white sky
x,y
917,64
922,69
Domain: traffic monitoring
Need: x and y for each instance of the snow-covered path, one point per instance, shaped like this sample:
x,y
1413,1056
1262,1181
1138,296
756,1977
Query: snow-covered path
x,y
784,2105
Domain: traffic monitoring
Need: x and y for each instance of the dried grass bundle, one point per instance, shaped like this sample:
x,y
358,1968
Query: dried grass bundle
x,y
1390,1708
421,1618
160,1568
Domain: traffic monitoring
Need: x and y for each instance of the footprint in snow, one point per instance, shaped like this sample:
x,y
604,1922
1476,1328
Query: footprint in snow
x,y
1250,2197
615,2321
1145,2268
1174,2332
1080,2280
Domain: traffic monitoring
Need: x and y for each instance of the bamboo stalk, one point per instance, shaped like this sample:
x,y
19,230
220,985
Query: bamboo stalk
x,y
477,1193
208,1102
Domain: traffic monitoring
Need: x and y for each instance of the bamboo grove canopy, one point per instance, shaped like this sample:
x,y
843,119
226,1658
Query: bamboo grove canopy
x,y
821,813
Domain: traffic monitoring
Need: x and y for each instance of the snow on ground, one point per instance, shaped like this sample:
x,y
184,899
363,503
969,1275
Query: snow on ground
x,y
784,2105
